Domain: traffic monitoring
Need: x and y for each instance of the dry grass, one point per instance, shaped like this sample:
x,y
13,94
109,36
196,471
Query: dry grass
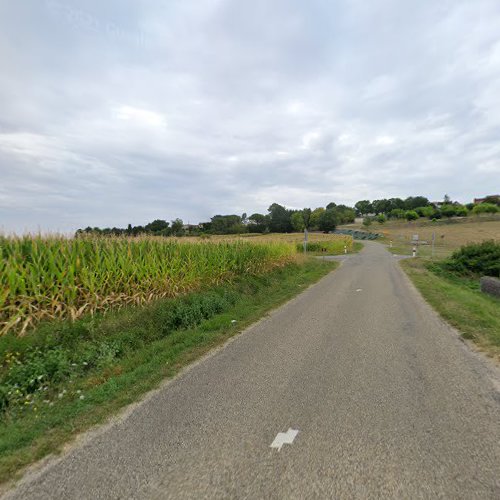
x,y
449,235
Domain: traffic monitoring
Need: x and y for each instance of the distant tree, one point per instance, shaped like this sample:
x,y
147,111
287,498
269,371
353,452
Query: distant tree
x,y
327,220
413,202
470,206
381,206
156,226
395,203
298,223
227,224
411,215
363,207
331,205
280,219
461,211
367,221
381,219
345,214
306,216
494,199
314,219
259,223
446,200
177,227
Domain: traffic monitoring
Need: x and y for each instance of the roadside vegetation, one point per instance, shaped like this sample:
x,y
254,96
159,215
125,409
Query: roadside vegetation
x,y
66,375
451,286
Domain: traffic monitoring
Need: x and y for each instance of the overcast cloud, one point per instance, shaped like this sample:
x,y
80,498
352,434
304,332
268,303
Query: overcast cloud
x,y
126,111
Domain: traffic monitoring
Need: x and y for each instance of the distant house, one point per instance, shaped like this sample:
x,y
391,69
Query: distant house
x,y
481,200
437,204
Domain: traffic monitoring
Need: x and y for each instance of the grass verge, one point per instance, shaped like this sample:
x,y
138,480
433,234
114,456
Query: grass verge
x,y
89,369
460,302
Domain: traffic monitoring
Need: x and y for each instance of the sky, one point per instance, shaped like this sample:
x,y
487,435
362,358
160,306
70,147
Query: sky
x,y
127,111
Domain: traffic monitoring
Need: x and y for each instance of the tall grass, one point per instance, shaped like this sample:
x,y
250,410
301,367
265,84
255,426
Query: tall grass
x,y
53,277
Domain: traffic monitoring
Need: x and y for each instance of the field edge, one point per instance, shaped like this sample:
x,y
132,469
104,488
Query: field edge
x,y
147,369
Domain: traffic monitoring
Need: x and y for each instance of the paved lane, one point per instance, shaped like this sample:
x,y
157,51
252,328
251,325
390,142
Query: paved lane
x,y
388,402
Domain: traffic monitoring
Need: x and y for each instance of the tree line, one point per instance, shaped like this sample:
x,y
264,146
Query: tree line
x,y
415,207
280,219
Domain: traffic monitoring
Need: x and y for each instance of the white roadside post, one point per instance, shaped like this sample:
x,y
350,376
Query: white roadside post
x,y
345,248
415,244
305,240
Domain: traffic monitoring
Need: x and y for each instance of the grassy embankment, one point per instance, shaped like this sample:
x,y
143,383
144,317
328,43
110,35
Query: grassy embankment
x,y
460,302
62,376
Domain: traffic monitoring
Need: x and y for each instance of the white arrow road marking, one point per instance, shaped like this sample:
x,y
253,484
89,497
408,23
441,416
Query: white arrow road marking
x,y
284,438
359,290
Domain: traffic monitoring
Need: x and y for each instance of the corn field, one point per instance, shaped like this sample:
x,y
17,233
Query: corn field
x,y
54,277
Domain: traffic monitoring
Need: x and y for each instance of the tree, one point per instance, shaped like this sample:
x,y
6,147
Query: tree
x,y
381,206
411,215
227,224
306,215
446,200
413,202
367,221
344,214
363,207
327,220
314,219
177,227
331,205
258,223
494,199
298,223
381,219
396,203
156,226
280,219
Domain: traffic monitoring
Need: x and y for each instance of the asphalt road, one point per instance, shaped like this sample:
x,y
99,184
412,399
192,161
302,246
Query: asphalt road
x,y
388,402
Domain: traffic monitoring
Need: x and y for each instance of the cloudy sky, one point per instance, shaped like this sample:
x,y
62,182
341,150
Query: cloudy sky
x,y
126,111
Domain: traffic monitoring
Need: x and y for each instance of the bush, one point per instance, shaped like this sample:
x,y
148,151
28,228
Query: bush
x,y
476,259
485,208
411,215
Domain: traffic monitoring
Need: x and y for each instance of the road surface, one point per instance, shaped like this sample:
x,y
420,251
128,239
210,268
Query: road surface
x,y
386,399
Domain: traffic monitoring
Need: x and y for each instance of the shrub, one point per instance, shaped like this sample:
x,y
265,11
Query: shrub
x,y
476,259
485,208
411,215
